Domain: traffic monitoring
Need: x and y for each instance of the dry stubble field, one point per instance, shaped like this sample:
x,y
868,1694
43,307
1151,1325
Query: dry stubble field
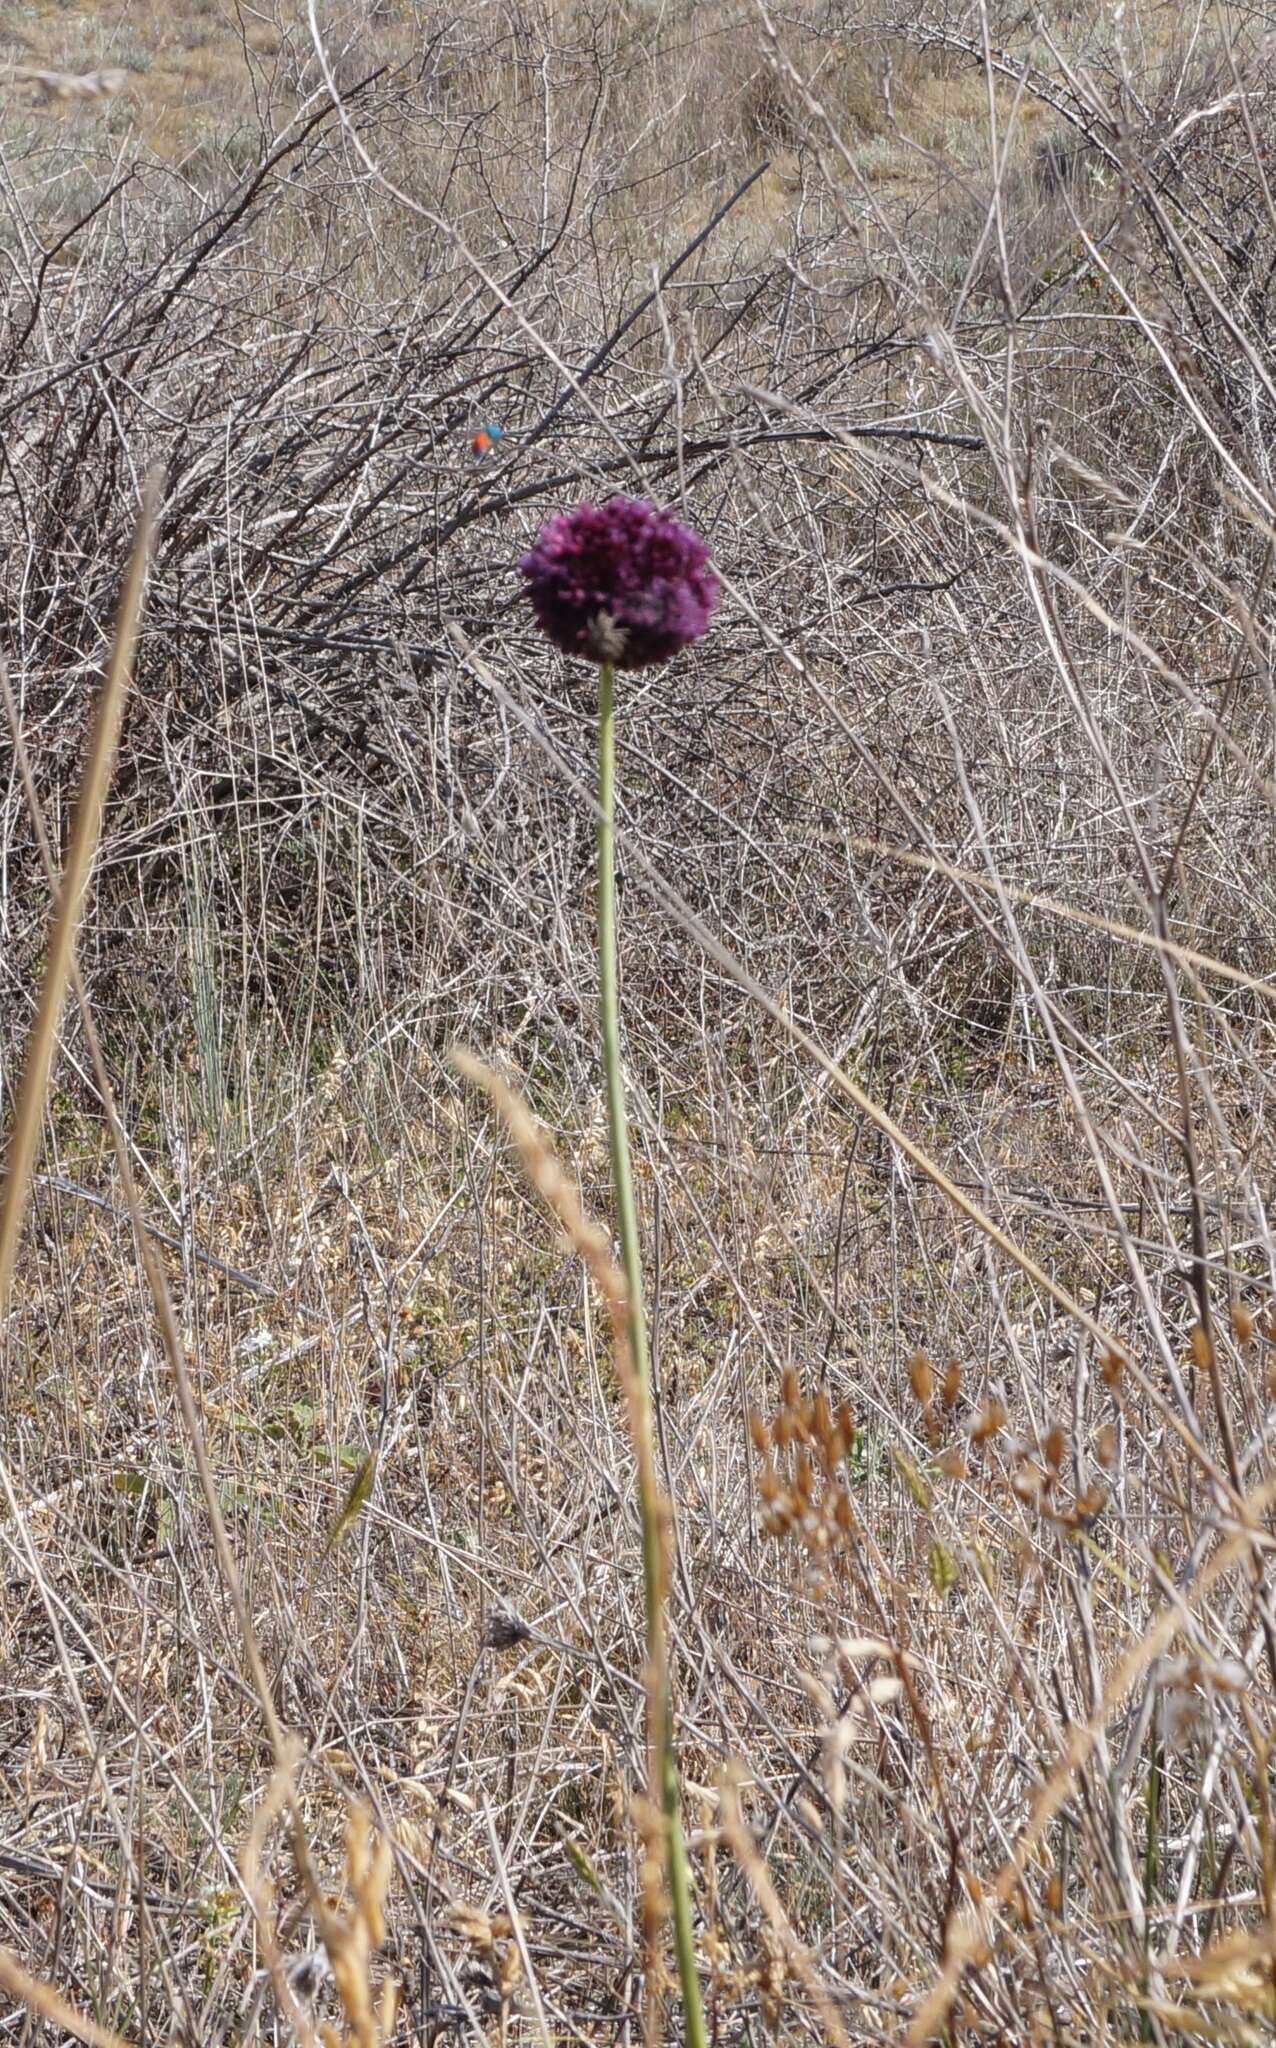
x,y
947,928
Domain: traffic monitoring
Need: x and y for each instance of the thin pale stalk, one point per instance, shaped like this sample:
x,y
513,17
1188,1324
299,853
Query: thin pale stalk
x,y
653,1558
24,1135
63,969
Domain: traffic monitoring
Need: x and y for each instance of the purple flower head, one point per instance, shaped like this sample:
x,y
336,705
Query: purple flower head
x,y
620,582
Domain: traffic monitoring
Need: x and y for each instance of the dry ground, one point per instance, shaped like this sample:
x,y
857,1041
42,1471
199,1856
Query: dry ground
x,y
985,725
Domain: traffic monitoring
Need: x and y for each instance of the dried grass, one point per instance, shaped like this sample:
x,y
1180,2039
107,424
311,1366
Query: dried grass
x,y
948,928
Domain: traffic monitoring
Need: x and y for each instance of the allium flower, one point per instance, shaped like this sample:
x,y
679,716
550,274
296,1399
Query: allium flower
x,y
627,586
620,582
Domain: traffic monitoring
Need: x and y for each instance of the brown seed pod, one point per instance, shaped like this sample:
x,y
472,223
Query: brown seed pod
x,y
989,1422
921,1379
821,1413
1243,1323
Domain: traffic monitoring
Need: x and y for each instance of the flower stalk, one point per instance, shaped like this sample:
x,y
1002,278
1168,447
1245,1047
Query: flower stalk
x,y
652,1508
628,586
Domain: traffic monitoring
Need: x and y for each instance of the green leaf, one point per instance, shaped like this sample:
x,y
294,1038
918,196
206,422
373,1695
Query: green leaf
x,y
354,1503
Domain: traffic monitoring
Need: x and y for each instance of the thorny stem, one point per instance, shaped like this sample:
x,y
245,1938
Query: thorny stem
x,y
653,1564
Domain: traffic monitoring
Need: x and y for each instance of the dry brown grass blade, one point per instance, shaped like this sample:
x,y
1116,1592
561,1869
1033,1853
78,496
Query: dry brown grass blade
x,y
760,1883
967,1932
25,1135
278,1798
590,1241
41,2000
588,1238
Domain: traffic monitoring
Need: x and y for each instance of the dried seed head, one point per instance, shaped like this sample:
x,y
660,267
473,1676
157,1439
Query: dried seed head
x,y
810,1502
505,1629
388,2008
921,1379
1029,1481
989,1422
1227,1675
827,1436
818,1694
473,1926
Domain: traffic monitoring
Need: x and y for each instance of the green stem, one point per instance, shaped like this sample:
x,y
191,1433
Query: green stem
x,y
627,1224
1151,1874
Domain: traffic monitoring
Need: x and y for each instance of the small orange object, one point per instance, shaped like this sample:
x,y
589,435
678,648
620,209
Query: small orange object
x,y
482,444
